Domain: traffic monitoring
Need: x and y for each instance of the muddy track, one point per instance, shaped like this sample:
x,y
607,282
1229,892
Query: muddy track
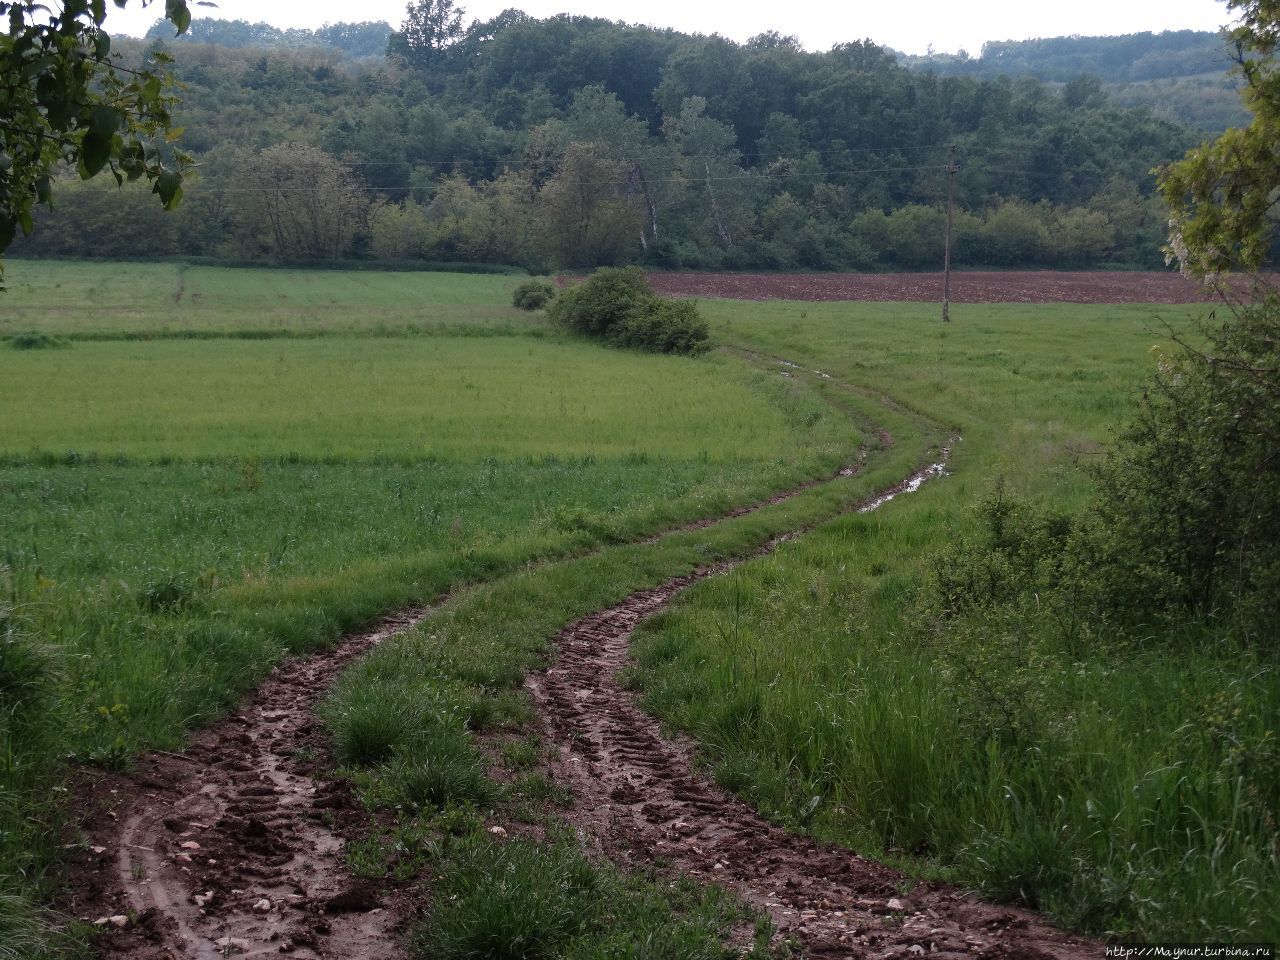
x,y
639,800
234,846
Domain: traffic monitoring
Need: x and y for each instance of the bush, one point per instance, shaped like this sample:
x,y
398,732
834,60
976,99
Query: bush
x,y
1182,527
35,341
617,305
607,297
668,326
533,294
1190,497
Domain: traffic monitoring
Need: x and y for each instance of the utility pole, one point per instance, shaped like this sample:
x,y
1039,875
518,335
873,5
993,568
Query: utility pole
x,y
952,170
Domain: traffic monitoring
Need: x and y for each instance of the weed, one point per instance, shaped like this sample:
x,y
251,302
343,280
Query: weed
x,y
34,340
166,594
538,788
436,767
521,754
27,933
518,899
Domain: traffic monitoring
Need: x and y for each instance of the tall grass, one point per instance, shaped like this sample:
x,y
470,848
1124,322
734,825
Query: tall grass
x,y
1121,785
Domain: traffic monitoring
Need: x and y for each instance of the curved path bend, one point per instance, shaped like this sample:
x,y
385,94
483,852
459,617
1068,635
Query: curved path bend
x,y
639,799
234,847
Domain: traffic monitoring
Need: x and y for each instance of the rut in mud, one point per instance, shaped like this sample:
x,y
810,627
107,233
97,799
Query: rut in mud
x,y
638,798
234,847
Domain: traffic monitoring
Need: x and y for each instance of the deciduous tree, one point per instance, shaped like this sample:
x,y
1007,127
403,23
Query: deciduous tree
x,y
588,217
1222,196
429,28
65,101
297,202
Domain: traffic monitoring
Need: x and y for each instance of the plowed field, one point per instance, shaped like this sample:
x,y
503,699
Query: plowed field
x,y
1039,286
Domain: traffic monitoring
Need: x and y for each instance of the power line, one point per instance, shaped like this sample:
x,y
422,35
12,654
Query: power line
x,y
744,176
526,161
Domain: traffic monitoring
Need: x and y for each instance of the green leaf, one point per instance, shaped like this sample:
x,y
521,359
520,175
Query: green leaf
x,y
176,12
43,189
169,187
25,221
8,226
94,154
105,122
99,8
102,45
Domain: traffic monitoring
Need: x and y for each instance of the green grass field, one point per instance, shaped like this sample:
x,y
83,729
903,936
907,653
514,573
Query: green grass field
x,y
1089,780
136,299
337,398
177,514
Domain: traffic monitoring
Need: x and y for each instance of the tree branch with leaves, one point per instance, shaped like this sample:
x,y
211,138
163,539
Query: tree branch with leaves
x,y
1222,196
66,102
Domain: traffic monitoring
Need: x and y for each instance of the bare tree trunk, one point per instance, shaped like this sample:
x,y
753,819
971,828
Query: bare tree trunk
x,y
722,232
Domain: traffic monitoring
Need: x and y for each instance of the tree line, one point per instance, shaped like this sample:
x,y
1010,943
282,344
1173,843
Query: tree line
x,y
579,142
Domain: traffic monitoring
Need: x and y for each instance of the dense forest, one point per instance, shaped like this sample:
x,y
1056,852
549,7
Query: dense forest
x,y
577,142
1124,59
1179,75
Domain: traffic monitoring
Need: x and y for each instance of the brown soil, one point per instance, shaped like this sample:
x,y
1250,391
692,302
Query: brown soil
x,y
234,846
1032,286
637,795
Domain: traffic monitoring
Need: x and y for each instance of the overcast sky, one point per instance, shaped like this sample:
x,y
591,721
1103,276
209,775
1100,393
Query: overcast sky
x,y
909,25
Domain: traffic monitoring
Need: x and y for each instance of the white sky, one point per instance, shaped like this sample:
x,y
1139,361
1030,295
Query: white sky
x,y
908,25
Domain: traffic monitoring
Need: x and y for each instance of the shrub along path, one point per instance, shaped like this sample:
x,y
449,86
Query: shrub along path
x,y
236,845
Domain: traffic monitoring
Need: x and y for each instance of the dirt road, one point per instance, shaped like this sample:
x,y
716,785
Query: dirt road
x,y
234,847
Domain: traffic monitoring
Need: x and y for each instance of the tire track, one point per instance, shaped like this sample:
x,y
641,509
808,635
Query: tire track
x,y
638,799
235,846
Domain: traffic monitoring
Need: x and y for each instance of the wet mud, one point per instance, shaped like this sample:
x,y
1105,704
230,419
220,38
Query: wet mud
x,y
234,847
639,799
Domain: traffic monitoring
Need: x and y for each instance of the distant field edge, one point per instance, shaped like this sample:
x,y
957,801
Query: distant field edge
x,y
364,266
975,287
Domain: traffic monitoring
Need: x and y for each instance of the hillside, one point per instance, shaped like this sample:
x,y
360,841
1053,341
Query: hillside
x,y
576,142
1180,75
355,40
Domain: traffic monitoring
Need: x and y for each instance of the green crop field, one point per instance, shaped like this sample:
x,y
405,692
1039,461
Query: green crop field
x,y
210,468
115,299
456,398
